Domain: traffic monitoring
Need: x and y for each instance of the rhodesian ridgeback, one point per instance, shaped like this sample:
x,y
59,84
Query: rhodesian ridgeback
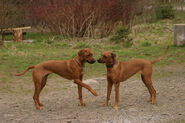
x,y
120,71
68,69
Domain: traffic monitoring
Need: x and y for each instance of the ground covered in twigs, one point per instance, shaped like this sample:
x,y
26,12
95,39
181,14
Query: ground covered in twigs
x,y
61,104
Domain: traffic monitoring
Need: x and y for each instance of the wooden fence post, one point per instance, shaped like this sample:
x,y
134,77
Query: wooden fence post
x,y
18,35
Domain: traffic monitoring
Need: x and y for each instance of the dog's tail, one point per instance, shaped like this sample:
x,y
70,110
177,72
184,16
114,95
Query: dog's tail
x,y
156,60
19,74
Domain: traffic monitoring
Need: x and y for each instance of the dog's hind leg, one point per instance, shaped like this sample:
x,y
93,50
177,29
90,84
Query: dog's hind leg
x,y
153,91
147,79
44,80
144,81
39,79
116,85
37,83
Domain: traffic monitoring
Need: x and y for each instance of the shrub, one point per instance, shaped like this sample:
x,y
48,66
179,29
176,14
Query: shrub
x,y
165,12
122,36
77,18
146,43
81,18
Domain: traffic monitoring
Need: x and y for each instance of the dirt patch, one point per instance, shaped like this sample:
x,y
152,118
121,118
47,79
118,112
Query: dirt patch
x,y
61,104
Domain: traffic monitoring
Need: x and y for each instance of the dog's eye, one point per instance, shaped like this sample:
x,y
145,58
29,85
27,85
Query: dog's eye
x,y
105,57
89,55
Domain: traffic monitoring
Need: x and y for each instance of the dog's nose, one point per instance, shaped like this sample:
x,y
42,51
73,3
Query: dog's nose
x,y
99,61
93,61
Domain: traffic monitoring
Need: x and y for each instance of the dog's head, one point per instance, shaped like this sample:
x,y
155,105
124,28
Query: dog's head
x,y
86,56
108,58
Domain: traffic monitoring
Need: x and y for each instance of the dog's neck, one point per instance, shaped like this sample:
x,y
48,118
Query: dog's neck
x,y
80,63
111,65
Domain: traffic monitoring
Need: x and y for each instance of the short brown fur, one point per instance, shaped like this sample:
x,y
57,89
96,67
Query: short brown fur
x,y
121,71
69,69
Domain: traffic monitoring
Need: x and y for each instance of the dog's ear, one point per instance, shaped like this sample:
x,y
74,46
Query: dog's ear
x,y
81,53
113,56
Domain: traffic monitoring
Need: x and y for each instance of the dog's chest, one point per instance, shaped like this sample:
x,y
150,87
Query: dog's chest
x,y
116,74
83,69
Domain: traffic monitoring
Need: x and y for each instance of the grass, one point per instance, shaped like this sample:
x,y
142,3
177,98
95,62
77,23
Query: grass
x,y
16,57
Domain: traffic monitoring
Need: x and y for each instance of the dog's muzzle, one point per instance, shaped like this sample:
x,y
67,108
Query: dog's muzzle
x,y
99,61
91,62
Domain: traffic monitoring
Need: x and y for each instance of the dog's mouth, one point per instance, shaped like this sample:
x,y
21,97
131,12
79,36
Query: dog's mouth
x,y
91,62
99,61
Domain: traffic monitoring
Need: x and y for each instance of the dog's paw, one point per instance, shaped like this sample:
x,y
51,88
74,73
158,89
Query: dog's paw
x,y
105,104
149,100
94,92
40,104
153,102
83,103
115,106
38,107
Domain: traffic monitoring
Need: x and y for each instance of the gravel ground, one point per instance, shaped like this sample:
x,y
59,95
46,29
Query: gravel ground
x,y
61,104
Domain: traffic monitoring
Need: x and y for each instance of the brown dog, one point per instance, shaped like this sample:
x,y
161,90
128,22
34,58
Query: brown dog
x,y
121,71
69,69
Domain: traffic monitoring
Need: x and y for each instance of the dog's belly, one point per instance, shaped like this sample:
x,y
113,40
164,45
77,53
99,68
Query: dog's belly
x,y
66,77
68,74
128,74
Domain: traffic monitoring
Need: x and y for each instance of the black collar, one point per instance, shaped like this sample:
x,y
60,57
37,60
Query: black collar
x,y
112,65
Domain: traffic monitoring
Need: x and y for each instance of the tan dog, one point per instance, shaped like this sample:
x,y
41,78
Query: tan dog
x,y
121,71
69,69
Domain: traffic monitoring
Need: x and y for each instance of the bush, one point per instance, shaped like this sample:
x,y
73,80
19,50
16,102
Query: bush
x,y
122,36
165,12
145,44
78,18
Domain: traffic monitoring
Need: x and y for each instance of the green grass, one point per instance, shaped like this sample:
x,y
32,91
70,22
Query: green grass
x,y
15,57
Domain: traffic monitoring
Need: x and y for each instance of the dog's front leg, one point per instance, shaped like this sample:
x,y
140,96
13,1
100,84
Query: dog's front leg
x,y
80,93
117,95
109,89
79,82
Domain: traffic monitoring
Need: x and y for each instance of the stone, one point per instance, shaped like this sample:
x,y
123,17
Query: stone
x,y
179,34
